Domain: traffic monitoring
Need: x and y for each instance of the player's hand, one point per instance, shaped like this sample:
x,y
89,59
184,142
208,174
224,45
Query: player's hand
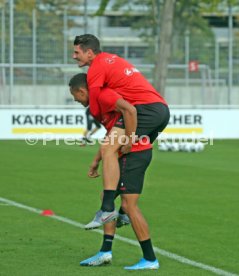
x,y
93,171
126,148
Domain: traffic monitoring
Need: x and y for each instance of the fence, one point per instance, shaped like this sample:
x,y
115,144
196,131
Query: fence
x,y
41,62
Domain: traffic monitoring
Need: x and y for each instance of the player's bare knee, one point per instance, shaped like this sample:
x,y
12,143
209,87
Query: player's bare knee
x,y
128,206
124,206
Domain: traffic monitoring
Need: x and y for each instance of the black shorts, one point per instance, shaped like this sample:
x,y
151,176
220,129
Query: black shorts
x,y
151,119
132,170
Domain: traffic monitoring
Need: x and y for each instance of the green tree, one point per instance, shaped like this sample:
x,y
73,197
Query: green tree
x,y
49,34
163,55
166,21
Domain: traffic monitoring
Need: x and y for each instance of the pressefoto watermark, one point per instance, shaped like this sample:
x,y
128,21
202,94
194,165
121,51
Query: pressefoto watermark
x,y
32,139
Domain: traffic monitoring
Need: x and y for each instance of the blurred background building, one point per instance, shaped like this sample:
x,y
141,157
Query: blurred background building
x,y
36,44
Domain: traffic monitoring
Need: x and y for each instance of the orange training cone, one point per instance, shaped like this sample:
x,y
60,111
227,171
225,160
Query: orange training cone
x,y
47,213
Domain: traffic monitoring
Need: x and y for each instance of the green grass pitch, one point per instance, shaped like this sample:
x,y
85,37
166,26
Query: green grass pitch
x,y
191,201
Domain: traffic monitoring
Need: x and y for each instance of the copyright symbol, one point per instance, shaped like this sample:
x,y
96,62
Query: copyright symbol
x,y
31,140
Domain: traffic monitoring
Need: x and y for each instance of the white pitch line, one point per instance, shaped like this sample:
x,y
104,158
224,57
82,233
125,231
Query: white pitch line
x,y
126,240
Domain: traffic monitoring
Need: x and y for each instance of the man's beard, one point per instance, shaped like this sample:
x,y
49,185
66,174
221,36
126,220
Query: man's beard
x,y
82,65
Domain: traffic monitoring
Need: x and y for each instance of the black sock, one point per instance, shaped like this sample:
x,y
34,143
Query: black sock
x,y
121,211
107,243
108,204
147,249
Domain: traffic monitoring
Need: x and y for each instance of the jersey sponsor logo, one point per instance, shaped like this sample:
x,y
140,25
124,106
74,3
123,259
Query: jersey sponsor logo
x,y
130,71
110,60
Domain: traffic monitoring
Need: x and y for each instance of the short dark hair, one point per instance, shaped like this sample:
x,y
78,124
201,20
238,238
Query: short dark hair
x,y
79,80
88,41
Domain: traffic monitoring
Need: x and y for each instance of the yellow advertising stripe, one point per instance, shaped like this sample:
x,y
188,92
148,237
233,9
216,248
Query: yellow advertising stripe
x,y
183,130
81,130
48,130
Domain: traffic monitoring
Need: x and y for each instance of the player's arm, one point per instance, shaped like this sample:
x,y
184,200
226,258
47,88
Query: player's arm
x,y
93,104
93,171
95,80
130,120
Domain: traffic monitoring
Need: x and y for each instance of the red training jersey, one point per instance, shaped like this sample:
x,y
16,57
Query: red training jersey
x,y
112,71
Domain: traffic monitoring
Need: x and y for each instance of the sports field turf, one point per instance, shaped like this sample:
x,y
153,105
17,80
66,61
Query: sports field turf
x,y
191,201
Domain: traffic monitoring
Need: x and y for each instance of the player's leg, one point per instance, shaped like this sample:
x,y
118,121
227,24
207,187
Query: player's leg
x,y
111,175
89,123
132,170
139,224
122,219
104,256
97,127
88,134
93,131
110,166
109,153
140,227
